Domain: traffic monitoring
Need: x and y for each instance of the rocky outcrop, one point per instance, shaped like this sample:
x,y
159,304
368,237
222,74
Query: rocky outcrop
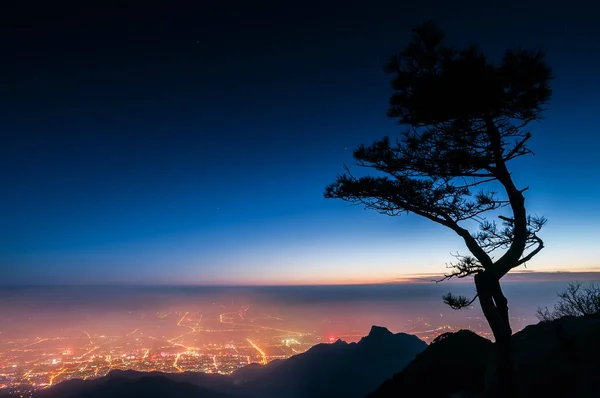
x,y
560,358
452,365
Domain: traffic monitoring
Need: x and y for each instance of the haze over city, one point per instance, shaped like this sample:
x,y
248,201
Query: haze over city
x,y
51,334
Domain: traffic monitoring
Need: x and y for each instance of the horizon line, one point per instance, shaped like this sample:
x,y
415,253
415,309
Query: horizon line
x,y
514,277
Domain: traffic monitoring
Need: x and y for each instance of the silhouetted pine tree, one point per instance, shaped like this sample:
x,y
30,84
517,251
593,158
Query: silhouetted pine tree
x,y
465,120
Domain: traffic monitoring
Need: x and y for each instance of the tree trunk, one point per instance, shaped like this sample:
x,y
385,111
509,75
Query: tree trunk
x,y
495,309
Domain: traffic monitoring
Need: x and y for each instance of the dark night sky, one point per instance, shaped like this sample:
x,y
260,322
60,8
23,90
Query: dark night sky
x,y
191,143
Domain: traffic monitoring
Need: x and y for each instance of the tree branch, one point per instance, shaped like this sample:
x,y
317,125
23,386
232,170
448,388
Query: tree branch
x,y
458,302
533,253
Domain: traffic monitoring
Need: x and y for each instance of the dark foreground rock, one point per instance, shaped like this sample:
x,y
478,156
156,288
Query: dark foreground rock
x,y
453,363
560,358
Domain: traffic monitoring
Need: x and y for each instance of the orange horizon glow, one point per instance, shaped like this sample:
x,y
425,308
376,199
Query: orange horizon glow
x,y
520,275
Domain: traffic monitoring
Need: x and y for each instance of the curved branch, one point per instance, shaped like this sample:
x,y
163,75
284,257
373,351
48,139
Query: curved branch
x,y
528,257
458,302
517,203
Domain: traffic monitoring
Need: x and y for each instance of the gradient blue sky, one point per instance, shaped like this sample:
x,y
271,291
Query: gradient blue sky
x,y
192,144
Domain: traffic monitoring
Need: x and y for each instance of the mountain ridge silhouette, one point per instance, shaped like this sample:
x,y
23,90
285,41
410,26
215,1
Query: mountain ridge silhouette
x,y
556,358
325,370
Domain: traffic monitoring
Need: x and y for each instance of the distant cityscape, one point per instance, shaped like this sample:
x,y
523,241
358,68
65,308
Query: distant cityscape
x,y
179,341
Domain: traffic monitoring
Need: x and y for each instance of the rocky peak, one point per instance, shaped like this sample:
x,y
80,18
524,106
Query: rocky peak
x,y
379,331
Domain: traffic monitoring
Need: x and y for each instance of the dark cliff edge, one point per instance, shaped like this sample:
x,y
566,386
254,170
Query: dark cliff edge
x,y
560,358
454,362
